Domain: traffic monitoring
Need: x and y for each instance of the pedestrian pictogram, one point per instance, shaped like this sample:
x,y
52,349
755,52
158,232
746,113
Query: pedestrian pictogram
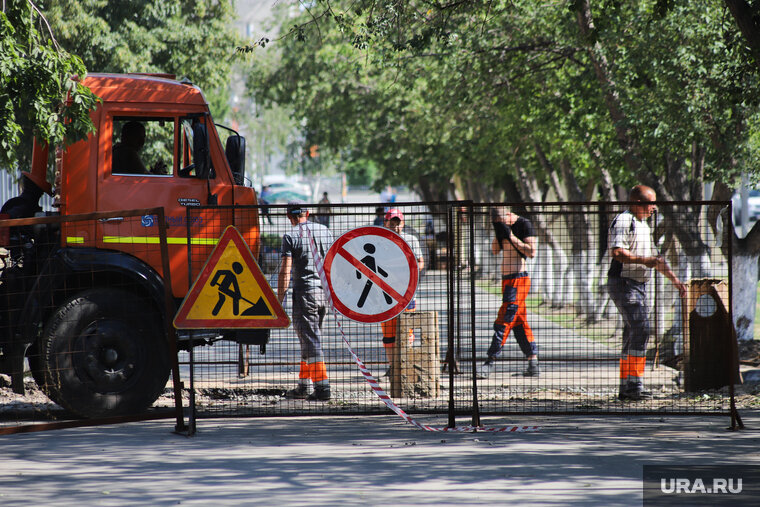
x,y
231,291
369,261
371,274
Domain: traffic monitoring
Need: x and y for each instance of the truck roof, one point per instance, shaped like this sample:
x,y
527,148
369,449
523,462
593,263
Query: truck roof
x,y
135,88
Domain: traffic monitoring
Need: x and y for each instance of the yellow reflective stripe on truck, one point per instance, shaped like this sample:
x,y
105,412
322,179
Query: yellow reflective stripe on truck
x,y
145,240
154,240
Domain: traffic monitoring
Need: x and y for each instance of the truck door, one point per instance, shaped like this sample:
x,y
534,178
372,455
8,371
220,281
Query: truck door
x,y
149,162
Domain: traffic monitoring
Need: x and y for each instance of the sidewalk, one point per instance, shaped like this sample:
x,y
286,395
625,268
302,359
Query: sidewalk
x,y
373,460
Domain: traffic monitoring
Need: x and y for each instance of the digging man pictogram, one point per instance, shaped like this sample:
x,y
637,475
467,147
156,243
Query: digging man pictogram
x,y
228,285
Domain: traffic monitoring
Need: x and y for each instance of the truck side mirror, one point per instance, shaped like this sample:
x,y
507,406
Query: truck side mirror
x,y
235,151
201,151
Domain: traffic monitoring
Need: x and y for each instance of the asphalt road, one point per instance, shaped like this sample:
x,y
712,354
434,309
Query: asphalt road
x,y
378,460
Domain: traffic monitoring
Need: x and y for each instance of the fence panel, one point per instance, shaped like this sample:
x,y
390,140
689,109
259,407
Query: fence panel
x,y
232,378
80,336
576,327
440,346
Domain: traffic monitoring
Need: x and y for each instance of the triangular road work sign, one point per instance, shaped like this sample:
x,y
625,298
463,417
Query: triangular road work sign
x,y
231,291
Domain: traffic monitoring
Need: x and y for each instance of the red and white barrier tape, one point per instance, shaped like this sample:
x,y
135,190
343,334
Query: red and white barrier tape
x,y
372,381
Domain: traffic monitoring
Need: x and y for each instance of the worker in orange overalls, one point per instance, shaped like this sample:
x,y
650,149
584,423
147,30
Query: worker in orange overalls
x,y
516,241
394,220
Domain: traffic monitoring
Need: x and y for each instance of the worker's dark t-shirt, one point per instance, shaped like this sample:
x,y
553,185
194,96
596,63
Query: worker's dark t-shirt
x,y
295,244
522,229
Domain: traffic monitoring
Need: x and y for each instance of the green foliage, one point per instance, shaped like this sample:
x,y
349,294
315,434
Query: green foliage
x,y
685,80
187,38
271,240
361,172
39,88
427,91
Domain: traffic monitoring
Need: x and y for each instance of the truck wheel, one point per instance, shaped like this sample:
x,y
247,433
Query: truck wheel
x,y
105,354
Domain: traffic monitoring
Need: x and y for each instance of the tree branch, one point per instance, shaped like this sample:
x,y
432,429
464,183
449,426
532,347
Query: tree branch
x,y
42,16
748,25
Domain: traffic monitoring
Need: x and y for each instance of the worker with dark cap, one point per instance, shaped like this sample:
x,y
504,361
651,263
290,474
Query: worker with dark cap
x,y
309,299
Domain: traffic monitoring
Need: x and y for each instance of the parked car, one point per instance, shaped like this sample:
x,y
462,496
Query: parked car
x,y
285,192
753,207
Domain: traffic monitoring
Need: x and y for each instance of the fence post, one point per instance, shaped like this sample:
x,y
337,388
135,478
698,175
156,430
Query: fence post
x,y
736,420
171,332
475,406
451,361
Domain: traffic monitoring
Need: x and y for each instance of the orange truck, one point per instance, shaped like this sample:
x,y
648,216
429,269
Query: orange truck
x,y
87,308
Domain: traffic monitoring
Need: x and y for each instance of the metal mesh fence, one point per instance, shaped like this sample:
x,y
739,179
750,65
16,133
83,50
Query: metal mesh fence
x,y
442,344
82,333
578,328
232,378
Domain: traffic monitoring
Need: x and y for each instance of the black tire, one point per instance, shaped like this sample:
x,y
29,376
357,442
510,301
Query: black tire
x,y
105,354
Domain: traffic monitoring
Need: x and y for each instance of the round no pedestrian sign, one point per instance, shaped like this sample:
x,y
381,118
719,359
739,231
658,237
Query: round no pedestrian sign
x,y
371,274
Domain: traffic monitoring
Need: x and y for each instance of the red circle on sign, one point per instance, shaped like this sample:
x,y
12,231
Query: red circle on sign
x,y
402,300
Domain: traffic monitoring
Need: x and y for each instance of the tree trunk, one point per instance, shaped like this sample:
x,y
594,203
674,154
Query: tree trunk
x,y
748,24
582,253
625,137
744,297
744,281
683,219
542,277
528,187
563,285
433,191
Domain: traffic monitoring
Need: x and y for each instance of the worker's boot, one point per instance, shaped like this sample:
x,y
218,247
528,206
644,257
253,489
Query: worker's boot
x,y
299,393
634,392
321,393
532,370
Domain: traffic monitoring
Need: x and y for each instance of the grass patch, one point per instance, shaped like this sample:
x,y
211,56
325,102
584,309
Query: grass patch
x,y
566,317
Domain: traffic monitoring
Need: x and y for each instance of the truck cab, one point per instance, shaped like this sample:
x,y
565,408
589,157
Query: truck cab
x,y
180,162
88,312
